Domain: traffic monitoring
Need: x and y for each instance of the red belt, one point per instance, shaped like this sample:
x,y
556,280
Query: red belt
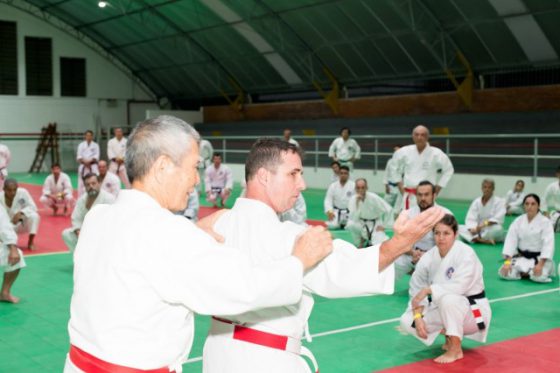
x,y
409,191
90,364
242,333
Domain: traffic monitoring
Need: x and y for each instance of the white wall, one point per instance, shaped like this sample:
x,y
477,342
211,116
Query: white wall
x,y
27,114
461,187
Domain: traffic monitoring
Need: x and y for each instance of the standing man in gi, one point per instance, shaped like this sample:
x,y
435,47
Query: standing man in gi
x,y
206,152
141,272
22,210
116,149
345,150
87,156
57,191
337,198
420,161
288,137
218,182
269,340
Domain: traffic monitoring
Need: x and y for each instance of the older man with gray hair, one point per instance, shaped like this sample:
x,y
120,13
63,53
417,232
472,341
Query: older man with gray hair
x,y
141,272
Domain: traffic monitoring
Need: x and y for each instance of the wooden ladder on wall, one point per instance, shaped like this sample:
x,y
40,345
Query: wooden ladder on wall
x,y
48,140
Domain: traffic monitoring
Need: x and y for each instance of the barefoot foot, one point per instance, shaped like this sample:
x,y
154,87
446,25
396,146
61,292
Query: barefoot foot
x,y
9,298
449,357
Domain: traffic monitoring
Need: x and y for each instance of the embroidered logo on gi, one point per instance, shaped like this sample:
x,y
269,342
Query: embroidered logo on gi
x,y
449,272
21,202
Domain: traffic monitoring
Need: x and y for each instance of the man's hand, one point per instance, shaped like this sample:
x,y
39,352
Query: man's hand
x,y
421,329
330,215
17,217
400,185
207,225
473,230
77,232
537,270
13,256
412,230
505,270
387,189
312,246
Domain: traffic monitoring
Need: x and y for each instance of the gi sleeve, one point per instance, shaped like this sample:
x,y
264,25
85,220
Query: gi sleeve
x,y
333,148
471,221
511,242
446,169
328,203
420,278
547,251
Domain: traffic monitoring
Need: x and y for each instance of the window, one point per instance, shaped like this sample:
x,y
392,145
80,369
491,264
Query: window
x,y
38,66
8,58
72,77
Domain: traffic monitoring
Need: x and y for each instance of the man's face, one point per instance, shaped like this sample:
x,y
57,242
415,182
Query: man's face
x,y
345,134
420,136
425,197
287,134
10,190
56,171
487,189
118,133
361,188
343,175
519,186
182,179
286,183
336,168
102,165
92,186
88,137
217,161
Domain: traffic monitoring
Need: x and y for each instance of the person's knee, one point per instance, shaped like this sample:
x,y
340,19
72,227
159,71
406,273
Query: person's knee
x,y
451,302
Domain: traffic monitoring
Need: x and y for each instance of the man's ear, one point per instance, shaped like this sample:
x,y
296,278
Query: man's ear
x,y
160,167
262,176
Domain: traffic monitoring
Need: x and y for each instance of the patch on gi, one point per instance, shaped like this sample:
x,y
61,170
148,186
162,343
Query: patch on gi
x,y
449,272
349,193
21,202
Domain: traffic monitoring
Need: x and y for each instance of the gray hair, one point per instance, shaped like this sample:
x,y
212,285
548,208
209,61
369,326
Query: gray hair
x,y
162,136
489,181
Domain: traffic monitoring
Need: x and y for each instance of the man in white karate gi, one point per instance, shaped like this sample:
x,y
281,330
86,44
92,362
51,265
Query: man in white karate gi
x,y
485,218
269,340
141,272
57,191
297,214
5,157
94,195
345,150
368,216
22,210
389,180
218,181
551,202
288,137
116,149
514,199
11,258
87,156
108,180
193,205
206,152
337,198
447,295
425,198
415,163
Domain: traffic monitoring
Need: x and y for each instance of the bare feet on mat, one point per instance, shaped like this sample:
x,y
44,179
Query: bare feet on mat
x,y
9,298
449,356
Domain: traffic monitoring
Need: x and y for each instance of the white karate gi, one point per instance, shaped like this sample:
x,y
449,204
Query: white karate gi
x,y
551,204
206,151
336,200
117,149
5,157
297,214
78,215
62,188
86,152
293,141
22,202
514,202
8,237
253,228
111,184
217,181
364,217
344,151
140,274
412,167
389,179
493,211
536,236
403,264
193,205
451,279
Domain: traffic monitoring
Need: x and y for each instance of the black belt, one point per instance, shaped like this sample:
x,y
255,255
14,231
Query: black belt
x,y
530,254
392,184
476,310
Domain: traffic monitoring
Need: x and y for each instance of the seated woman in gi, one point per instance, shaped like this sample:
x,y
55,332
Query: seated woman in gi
x,y
457,308
529,245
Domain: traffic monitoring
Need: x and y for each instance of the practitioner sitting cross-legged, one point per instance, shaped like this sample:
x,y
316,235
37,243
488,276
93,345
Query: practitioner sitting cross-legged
x,y
452,275
529,245
485,218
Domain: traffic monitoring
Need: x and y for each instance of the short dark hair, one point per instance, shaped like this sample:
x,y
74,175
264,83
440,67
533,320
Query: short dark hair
x,y
345,168
10,181
520,181
88,131
426,182
450,221
335,162
267,153
55,165
216,155
532,195
89,175
345,128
